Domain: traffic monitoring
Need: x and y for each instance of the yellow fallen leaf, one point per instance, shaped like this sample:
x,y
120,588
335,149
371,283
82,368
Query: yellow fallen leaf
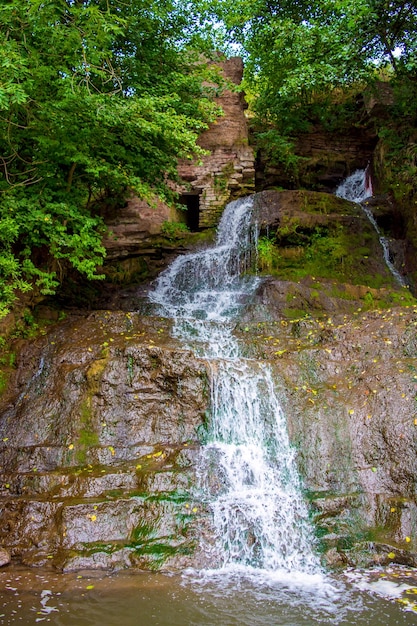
x,y
90,587
351,411
138,466
408,539
195,509
111,450
71,446
393,509
157,454
391,555
93,517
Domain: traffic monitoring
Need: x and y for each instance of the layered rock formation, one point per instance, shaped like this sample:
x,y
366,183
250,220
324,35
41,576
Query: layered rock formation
x,y
98,441
347,383
101,424
324,160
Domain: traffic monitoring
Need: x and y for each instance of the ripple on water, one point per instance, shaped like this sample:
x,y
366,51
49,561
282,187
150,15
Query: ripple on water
x,y
232,597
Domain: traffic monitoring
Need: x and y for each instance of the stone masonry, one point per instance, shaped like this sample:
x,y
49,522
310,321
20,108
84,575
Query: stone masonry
x,y
228,170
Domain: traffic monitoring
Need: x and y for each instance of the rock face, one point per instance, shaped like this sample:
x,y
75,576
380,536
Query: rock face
x,y
316,234
348,389
325,159
345,358
133,226
98,447
393,179
5,557
101,426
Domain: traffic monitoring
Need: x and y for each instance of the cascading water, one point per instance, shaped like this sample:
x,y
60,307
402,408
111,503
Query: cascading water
x,y
247,469
357,188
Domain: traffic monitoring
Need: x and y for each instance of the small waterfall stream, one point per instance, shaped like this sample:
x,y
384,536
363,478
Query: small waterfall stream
x,y
357,188
247,469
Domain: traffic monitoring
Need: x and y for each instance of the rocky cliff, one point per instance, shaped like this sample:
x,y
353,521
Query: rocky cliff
x,y
348,384
98,439
105,413
324,159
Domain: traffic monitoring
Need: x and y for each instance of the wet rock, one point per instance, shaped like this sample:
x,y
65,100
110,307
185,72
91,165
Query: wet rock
x,y
5,557
386,554
101,426
326,159
99,442
98,446
347,384
334,558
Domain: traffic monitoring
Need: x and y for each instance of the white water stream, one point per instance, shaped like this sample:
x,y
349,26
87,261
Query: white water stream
x,y
357,188
247,471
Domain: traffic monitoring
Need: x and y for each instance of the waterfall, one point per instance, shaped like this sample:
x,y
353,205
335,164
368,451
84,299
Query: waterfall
x,y
247,468
357,188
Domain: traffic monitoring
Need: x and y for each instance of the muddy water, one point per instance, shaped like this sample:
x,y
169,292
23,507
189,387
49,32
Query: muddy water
x,y
126,599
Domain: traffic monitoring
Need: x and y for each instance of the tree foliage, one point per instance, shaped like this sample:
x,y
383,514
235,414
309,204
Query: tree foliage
x,y
299,53
98,98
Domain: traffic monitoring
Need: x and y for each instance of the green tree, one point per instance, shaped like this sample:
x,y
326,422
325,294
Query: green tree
x,y
98,99
307,61
299,52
